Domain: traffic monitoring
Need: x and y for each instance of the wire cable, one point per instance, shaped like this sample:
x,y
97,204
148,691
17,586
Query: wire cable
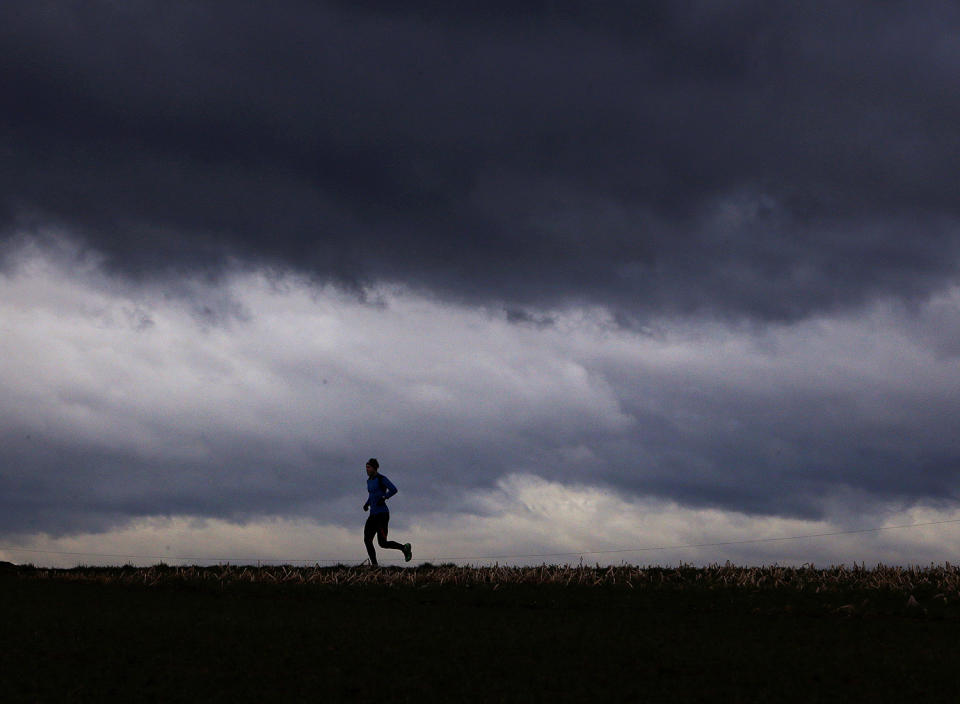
x,y
581,553
701,545
130,556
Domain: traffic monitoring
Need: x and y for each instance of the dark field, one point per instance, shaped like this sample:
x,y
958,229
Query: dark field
x,y
238,634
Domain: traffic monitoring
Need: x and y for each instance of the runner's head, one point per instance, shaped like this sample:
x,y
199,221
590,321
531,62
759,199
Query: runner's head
x,y
372,466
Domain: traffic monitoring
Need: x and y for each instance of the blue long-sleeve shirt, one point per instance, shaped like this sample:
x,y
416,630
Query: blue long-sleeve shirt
x,y
380,489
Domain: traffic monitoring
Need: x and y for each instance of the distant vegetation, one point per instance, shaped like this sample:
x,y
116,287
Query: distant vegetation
x,y
942,580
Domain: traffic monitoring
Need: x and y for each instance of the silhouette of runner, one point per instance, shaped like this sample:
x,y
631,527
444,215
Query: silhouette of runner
x,y
380,489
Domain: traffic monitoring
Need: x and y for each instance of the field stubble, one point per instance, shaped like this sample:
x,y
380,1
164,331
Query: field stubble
x,y
452,633
935,584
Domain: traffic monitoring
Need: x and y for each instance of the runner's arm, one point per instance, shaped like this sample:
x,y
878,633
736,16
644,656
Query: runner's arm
x,y
389,488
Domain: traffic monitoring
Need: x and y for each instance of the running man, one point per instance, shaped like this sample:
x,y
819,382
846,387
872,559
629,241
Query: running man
x,y
380,489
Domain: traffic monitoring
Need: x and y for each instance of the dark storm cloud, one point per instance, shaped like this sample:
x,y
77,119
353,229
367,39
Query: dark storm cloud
x,y
67,486
758,158
109,419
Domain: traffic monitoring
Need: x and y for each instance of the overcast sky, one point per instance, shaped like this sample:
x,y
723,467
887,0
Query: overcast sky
x,y
585,277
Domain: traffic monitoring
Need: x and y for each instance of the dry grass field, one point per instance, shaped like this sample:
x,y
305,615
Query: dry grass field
x,y
238,633
942,579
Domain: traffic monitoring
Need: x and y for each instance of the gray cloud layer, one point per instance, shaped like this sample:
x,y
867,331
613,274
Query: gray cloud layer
x,y
762,159
120,403
689,255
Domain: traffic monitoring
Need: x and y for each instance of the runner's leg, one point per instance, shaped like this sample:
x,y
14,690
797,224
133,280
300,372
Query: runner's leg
x,y
369,530
382,536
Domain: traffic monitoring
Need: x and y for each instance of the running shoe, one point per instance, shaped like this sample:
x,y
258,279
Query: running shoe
x,y
407,552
